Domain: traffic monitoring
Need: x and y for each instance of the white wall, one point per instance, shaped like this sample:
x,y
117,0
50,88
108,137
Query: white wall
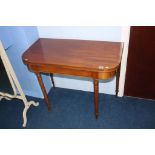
x,y
21,38
103,33
81,32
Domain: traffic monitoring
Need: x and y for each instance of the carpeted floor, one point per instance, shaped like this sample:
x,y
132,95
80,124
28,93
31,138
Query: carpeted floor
x,y
74,109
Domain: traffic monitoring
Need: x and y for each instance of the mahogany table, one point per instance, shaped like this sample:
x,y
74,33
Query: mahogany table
x,y
92,59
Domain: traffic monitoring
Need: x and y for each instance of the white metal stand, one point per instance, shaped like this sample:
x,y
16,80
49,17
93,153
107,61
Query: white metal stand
x,y
15,85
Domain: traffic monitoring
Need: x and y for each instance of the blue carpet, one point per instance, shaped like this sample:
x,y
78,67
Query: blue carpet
x,y
74,109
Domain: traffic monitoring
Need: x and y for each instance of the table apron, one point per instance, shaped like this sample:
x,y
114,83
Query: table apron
x,y
74,72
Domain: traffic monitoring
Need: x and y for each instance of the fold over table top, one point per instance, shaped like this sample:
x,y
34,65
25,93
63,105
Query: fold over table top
x,y
89,55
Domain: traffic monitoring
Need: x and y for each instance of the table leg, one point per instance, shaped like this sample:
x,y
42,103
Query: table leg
x,y
51,75
44,91
117,80
96,96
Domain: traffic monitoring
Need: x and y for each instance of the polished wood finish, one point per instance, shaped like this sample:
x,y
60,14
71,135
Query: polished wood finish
x,y
43,90
117,80
92,59
96,59
96,83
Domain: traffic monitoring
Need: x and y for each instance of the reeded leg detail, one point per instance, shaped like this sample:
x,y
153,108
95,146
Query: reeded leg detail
x,y
96,96
44,91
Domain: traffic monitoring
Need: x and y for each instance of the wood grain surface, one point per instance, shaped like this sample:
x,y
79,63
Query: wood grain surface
x,y
75,54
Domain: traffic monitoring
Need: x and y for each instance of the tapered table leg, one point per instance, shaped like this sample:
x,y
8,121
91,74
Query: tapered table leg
x,y
44,91
51,75
96,96
117,80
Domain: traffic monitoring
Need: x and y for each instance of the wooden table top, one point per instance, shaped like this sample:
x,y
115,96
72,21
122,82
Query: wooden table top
x,y
89,55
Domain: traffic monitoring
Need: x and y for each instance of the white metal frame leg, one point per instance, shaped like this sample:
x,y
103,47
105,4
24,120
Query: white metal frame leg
x,y
15,86
27,105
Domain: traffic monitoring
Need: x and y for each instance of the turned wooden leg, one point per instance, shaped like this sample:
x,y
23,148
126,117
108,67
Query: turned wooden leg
x,y
117,80
51,75
44,91
96,96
